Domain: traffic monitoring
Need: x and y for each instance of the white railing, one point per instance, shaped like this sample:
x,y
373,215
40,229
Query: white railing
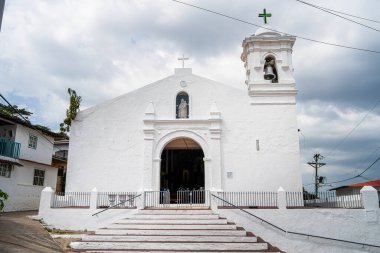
x,y
156,198
195,198
107,199
71,199
324,200
248,199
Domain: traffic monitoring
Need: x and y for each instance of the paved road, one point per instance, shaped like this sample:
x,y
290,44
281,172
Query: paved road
x,y
19,234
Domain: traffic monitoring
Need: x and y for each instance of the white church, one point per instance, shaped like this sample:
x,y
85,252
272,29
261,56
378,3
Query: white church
x,y
189,132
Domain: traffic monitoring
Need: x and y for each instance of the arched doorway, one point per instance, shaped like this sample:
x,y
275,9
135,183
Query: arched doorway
x,y
182,166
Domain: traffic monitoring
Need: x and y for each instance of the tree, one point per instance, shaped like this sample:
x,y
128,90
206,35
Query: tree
x,y
3,196
42,128
71,112
14,111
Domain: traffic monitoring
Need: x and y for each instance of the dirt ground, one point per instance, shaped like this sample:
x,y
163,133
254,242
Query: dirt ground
x,y
64,243
20,234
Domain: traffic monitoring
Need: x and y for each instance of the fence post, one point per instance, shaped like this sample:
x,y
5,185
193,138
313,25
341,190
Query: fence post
x,y
213,202
94,199
370,200
281,198
45,201
140,201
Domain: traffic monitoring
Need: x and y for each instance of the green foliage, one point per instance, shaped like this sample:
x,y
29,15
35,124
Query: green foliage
x,y
43,128
71,112
14,111
3,196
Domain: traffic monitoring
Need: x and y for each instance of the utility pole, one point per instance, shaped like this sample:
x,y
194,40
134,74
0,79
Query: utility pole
x,y
2,3
316,164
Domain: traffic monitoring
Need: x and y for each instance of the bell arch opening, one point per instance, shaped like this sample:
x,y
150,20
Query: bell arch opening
x,y
182,167
270,69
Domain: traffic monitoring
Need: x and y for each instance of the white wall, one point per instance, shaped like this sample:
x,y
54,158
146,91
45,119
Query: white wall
x,y
5,131
345,224
44,145
23,195
107,141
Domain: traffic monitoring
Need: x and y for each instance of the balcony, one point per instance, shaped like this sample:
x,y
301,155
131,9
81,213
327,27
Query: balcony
x,y
9,148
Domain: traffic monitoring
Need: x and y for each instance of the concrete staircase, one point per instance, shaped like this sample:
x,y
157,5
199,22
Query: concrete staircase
x,y
170,231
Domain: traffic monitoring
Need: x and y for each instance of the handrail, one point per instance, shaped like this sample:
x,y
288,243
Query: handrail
x,y
121,202
295,233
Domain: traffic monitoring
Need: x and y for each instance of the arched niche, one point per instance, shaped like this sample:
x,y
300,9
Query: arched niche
x,y
182,105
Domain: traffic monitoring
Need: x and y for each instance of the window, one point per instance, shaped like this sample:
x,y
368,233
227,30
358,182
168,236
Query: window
x,y
5,169
32,141
39,177
182,106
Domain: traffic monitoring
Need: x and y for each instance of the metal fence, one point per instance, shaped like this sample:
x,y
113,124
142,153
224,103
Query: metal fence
x,y
71,199
107,199
324,200
195,198
248,199
156,198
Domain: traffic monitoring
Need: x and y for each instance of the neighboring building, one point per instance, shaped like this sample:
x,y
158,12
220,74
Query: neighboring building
x,y
187,131
355,188
59,160
25,163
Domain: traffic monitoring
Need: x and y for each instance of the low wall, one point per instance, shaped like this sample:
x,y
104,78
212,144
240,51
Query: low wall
x,y
357,225
344,224
80,218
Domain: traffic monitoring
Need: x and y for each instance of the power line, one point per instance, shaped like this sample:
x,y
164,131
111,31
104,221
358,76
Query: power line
x,y
332,13
353,129
347,14
359,175
370,166
300,37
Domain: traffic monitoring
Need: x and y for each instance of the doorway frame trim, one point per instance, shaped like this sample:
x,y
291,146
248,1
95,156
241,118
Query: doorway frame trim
x,y
158,133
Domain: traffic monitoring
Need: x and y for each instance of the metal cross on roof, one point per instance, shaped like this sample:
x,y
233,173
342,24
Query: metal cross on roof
x,y
183,59
265,15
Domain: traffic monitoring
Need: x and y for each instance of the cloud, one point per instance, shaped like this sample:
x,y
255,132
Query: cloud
x,y
103,49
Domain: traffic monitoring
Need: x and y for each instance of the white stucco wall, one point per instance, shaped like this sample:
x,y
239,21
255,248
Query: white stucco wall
x,y
345,224
44,150
108,147
8,131
23,195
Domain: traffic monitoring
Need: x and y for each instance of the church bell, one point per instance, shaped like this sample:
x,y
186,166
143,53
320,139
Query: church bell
x,y
269,74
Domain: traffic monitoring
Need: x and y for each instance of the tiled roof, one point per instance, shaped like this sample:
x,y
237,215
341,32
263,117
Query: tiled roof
x,y
373,183
368,183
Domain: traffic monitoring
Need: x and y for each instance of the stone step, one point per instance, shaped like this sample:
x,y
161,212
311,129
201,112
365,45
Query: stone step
x,y
160,238
175,251
227,232
168,221
171,226
176,216
175,211
178,246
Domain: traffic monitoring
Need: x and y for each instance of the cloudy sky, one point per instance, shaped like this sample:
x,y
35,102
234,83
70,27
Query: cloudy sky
x,y
103,49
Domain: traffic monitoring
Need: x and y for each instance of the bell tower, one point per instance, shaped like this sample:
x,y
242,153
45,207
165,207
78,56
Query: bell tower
x,y
267,57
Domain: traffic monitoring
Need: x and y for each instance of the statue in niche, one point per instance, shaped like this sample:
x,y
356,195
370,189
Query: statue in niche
x,y
182,109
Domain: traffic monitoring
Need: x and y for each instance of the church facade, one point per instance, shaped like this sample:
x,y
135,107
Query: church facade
x,y
190,132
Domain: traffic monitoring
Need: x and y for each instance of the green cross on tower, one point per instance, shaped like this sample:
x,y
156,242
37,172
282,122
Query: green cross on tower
x,y
265,15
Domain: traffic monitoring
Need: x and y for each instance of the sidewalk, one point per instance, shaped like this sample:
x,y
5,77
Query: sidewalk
x,y
19,234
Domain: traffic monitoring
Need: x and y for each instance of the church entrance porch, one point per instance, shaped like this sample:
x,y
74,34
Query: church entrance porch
x,y
182,171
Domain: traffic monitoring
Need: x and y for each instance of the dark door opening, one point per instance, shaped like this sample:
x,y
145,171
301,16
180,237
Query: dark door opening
x,y
182,167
